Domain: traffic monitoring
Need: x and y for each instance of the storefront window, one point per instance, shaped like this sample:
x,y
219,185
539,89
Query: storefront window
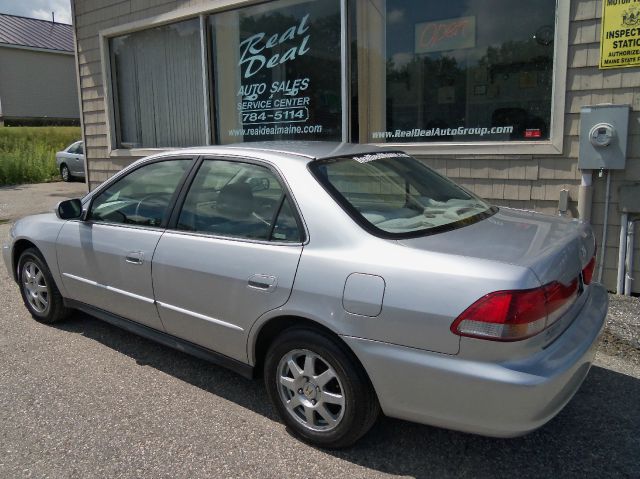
x,y
459,71
456,74
158,88
277,72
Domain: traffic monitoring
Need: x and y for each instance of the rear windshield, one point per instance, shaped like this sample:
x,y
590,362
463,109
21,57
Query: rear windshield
x,y
395,195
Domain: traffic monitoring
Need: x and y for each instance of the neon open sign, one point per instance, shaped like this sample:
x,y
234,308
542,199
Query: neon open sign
x,y
451,34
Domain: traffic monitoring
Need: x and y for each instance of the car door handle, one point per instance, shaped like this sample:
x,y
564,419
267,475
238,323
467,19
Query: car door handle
x,y
263,282
135,257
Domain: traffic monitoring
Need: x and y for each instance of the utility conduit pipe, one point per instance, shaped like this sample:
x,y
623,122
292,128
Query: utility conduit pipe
x,y
628,281
605,226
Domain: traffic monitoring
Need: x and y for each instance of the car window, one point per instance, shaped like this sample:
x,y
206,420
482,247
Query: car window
x,y
142,197
286,227
240,200
73,148
396,195
80,149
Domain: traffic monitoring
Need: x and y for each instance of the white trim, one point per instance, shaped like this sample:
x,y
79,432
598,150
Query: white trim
x,y
199,316
205,8
205,79
110,117
484,148
139,152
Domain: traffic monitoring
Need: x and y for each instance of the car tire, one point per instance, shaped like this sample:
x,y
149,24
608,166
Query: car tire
x,y
325,398
39,292
65,173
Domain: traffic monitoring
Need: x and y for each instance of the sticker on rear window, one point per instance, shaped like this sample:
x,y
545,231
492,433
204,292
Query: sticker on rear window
x,y
379,156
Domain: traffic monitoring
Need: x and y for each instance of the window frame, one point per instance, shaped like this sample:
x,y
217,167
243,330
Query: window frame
x,y
186,187
553,146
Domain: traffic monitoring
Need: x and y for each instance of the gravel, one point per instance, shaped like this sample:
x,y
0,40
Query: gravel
x,y
21,200
84,399
623,320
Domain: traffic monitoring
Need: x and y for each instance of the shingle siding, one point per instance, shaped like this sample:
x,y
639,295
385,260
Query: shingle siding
x,y
522,181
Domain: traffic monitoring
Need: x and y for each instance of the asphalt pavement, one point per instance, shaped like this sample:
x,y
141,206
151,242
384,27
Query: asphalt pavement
x,y
84,399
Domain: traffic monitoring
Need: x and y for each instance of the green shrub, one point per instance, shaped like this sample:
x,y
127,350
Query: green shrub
x,y
28,154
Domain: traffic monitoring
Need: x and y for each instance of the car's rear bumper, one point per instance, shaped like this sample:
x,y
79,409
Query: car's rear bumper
x,y
503,399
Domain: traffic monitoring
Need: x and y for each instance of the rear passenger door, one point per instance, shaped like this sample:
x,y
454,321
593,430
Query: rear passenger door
x,y
230,255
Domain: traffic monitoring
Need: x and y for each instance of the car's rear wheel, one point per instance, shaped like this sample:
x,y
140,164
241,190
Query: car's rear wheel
x,y
39,292
65,173
319,389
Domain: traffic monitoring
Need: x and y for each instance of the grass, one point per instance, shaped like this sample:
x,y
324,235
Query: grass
x,y
28,154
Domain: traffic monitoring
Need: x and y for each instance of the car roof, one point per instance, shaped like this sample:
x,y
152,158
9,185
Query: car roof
x,y
308,150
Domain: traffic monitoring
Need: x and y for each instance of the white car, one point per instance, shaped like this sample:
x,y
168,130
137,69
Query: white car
x,y
70,161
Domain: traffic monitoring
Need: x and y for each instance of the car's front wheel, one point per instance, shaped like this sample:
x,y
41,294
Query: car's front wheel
x,y
39,292
319,389
65,173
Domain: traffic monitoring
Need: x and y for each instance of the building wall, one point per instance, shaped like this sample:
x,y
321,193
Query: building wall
x,y
521,181
37,84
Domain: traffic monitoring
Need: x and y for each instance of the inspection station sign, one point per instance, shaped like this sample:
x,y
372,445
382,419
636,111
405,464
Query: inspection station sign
x,y
620,43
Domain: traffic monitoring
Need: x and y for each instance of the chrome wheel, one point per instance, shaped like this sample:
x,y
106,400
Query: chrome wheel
x,y
35,287
310,390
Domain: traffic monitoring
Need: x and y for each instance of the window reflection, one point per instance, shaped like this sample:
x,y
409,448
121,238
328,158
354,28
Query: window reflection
x,y
277,71
468,70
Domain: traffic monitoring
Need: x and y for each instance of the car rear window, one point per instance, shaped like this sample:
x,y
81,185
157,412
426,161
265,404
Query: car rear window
x,y
394,195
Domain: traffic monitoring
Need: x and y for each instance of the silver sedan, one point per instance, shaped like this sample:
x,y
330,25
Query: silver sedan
x,y
353,279
70,161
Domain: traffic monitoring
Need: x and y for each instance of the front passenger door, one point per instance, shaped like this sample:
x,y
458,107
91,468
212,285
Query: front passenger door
x,y
106,261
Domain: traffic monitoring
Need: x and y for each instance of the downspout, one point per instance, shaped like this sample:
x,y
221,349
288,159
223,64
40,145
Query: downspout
x,y
628,281
585,196
622,253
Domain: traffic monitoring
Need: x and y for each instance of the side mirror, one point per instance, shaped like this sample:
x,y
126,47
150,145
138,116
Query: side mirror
x,y
69,209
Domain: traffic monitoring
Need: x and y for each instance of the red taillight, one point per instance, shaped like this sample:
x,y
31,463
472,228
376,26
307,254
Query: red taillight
x,y
515,315
587,272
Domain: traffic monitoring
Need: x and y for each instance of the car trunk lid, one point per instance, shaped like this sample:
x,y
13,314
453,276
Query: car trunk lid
x,y
554,248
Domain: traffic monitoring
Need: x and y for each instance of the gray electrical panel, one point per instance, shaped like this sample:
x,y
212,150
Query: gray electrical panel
x,y
603,137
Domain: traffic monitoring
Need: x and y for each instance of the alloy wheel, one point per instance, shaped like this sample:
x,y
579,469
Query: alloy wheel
x,y
310,390
35,287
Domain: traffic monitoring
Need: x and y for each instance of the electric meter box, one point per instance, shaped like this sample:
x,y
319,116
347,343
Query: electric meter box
x,y
603,137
